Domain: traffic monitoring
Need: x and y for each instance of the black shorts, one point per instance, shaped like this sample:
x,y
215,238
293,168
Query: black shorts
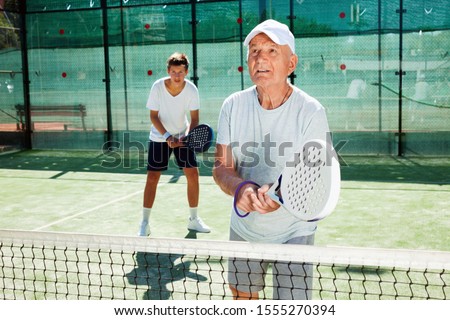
x,y
159,154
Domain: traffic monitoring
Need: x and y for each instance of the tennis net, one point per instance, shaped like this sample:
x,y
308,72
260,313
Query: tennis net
x,y
45,265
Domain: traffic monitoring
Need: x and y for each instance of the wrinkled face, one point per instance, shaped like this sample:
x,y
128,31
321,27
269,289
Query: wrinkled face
x,y
269,63
177,74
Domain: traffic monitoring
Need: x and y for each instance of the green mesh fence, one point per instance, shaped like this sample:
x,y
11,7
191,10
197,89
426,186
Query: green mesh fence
x,y
98,59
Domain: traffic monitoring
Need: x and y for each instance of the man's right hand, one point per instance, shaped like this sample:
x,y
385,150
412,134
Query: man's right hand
x,y
174,142
254,198
246,197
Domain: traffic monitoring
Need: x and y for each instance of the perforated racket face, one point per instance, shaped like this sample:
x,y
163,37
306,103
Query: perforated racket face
x,y
200,138
310,186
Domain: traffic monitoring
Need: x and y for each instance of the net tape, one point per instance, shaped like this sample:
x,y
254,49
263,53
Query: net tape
x,y
43,265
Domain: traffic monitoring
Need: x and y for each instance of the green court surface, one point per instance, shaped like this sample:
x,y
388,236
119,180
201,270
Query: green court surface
x,y
385,202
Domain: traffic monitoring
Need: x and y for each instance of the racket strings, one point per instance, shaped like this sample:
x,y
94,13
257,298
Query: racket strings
x,y
306,188
200,138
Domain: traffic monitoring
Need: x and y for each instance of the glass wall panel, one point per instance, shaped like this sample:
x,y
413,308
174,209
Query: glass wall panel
x,y
219,66
67,88
149,35
426,84
381,73
340,64
57,5
11,80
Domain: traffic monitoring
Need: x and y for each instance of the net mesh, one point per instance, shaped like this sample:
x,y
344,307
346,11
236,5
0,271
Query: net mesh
x,y
41,265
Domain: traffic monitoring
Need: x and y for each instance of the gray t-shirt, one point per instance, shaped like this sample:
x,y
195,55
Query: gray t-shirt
x,y
262,142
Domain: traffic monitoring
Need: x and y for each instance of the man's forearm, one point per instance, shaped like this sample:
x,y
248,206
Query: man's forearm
x,y
226,178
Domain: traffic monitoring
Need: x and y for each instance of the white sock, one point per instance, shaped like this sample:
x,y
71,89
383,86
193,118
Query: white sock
x,y
193,212
146,214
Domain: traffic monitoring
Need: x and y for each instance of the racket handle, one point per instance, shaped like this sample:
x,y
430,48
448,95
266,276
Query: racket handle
x,y
236,193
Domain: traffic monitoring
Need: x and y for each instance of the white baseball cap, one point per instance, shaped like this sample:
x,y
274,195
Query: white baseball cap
x,y
278,32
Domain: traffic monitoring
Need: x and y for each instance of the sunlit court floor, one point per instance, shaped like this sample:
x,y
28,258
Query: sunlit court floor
x,y
385,202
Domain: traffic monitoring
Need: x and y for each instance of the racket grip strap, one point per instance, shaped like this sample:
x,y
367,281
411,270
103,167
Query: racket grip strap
x,y
236,194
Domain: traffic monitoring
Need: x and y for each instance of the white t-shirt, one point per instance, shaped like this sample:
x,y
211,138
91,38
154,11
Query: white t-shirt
x,y
262,142
172,111
421,90
356,88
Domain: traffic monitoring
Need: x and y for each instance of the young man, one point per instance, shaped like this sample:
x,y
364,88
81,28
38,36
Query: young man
x,y
271,113
171,99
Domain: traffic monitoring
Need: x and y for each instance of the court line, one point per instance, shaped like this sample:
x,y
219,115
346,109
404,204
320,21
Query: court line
x,y
88,210
161,184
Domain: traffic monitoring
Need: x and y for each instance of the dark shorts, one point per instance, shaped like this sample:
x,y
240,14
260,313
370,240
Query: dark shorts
x,y
159,154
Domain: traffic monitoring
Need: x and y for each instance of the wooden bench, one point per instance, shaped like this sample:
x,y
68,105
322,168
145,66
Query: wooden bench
x,y
77,111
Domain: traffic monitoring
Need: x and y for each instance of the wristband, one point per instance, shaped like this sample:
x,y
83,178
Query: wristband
x,y
166,135
236,193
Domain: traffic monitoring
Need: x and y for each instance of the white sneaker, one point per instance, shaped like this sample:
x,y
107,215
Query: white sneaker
x,y
198,225
144,230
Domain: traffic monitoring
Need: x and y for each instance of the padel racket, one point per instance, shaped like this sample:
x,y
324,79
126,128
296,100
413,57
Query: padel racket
x,y
309,186
199,139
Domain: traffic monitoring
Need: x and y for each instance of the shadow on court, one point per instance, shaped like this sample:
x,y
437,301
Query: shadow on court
x,y
425,170
354,168
90,161
165,275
